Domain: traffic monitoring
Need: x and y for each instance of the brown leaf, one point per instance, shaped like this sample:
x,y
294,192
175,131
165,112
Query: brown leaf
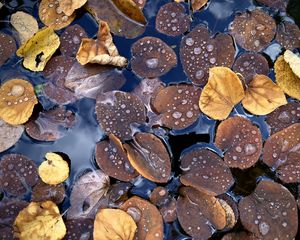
x,y
263,96
222,92
9,135
101,51
114,224
197,4
69,6
7,47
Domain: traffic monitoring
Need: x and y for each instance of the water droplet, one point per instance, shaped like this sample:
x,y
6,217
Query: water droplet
x,y
199,74
256,43
246,64
134,213
152,63
284,117
189,114
176,114
263,228
173,14
189,41
197,50
250,149
238,149
212,60
210,48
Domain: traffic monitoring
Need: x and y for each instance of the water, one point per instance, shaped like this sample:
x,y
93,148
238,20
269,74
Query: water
x,y
79,142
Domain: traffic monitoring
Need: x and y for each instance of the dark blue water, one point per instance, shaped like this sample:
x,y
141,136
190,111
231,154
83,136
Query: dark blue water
x,y
79,142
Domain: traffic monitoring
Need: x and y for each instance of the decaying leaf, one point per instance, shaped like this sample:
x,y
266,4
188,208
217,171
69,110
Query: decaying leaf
x,y
9,135
87,195
54,169
114,224
223,90
101,51
286,79
17,100
40,220
294,61
25,24
69,6
124,17
263,96
38,50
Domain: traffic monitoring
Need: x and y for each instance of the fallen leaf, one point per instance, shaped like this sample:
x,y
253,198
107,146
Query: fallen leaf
x,y
286,78
40,220
44,192
54,170
7,47
124,17
69,6
87,195
101,51
38,50
9,135
223,90
17,100
197,4
114,224
294,61
25,24
263,96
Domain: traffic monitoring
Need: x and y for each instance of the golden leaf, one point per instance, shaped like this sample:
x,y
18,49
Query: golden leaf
x,y
286,78
38,50
101,51
54,170
40,220
222,91
114,224
294,61
197,4
17,100
263,96
69,6
25,24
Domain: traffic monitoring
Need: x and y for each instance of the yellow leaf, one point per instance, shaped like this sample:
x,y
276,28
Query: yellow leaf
x,y
101,51
197,4
263,96
40,220
54,170
25,24
69,6
294,61
38,50
286,78
222,91
114,224
17,100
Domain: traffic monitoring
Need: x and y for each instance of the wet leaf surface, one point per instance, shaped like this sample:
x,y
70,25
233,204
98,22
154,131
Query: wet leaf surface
x,y
124,17
37,50
112,159
239,236
7,47
253,30
69,6
52,15
118,193
87,195
40,221
54,169
140,3
117,110
17,174
44,192
288,35
149,156
231,210
152,57
221,93
276,4
205,171
50,125
101,51
172,20
168,211
25,25
114,224
268,202
249,64
199,52
263,96
9,135
294,61
147,217
282,153
17,100
176,106
240,140
79,229
283,117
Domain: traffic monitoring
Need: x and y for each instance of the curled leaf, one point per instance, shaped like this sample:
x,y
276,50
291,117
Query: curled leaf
x,y
263,96
69,6
40,220
101,51
114,224
294,61
223,90
54,170
38,50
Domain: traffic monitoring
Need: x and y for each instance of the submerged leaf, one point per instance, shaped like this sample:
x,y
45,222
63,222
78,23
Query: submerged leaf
x,y
69,6
101,51
25,24
38,50
223,90
263,96
54,170
114,224
40,221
